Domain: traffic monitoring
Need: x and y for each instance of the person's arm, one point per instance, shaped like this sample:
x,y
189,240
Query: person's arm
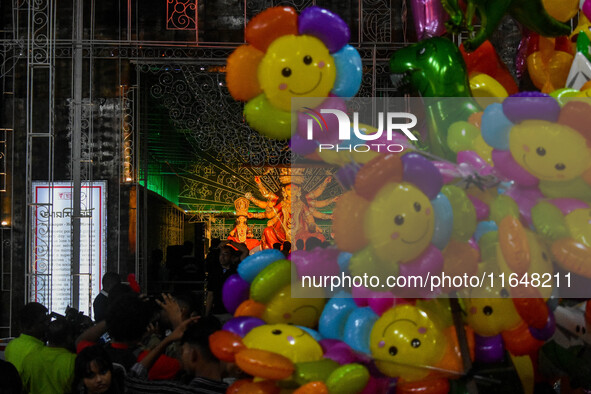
x,y
208,303
92,334
172,309
141,368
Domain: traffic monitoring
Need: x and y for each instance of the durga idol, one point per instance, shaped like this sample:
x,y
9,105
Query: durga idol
x,y
277,210
241,232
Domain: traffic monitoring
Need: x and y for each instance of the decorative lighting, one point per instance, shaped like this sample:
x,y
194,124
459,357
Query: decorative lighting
x,y
4,223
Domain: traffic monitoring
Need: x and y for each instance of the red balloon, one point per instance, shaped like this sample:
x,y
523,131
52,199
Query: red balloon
x,y
376,173
264,364
532,310
270,24
225,344
519,341
312,388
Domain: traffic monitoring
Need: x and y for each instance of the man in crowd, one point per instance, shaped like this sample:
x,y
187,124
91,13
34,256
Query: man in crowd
x,y
33,321
99,306
50,369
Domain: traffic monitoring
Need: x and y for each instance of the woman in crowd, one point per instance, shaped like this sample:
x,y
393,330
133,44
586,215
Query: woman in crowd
x,y
94,373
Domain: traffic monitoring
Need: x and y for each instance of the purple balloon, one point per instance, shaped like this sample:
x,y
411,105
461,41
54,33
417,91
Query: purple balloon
x,y
476,162
525,198
235,291
489,349
429,18
325,25
242,325
509,169
567,205
587,9
545,332
302,146
531,105
422,173
448,171
431,260
482,210
318,262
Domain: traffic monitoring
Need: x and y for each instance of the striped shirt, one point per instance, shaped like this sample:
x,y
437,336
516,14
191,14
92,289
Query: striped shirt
x,y
197,385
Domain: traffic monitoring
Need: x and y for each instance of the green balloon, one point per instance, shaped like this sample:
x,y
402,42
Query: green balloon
x,y
270,280
583,44
549,221
563,95
268,120
348,379
488,246
573,188
461,135
436,69
464,214
529,13
503,206
314,371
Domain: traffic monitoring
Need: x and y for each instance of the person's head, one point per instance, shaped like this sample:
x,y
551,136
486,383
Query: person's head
x,y
312,243
110,279
227,256
127,318
61,334
286,248
93,370
277,246
300,244
196,355
34,320
241,220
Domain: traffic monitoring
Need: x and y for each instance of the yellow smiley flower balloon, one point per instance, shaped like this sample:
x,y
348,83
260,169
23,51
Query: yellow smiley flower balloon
x,y
290,56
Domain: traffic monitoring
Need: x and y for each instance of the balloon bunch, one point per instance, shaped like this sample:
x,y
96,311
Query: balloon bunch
x,y
401,220
409,341
282,355
290,56
262,289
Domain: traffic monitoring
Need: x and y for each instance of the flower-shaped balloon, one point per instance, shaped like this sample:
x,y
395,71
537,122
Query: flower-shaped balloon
x,y
400,219
289,56
413,343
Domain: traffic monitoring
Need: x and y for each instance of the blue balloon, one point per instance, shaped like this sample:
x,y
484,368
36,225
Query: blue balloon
x,y
358,328
349,72
250,267
313,333
334,316
483,228
444,220
344,260
495,127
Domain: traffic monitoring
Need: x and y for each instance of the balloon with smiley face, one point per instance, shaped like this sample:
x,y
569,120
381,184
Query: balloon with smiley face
x,y
405,342
291,56
539,143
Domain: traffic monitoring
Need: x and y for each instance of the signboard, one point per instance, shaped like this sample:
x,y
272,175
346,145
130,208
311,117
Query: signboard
x,y
51,244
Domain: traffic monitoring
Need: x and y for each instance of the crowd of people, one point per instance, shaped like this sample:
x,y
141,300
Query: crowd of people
x,y
137,343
